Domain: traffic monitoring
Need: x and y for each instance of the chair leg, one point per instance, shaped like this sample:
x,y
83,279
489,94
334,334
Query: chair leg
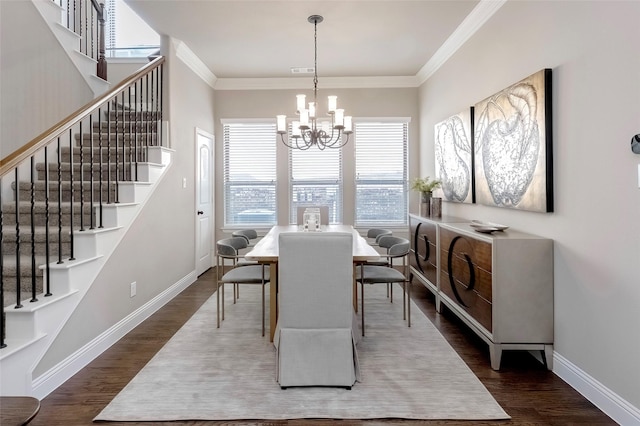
x,y
409,304
362,304
218,304
263,284
222,307
404,301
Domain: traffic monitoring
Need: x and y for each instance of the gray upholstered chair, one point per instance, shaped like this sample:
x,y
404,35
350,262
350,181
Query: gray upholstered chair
x,y
397,248
240,273
315,341
248,234
374,234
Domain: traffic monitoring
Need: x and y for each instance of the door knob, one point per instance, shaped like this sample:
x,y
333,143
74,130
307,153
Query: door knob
x,y
200,212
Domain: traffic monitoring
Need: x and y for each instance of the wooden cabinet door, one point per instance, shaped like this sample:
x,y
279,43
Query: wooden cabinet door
x,y
466,276
425,251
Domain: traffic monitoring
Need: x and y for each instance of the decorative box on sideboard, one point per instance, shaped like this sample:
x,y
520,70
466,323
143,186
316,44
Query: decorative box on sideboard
x,y
501,286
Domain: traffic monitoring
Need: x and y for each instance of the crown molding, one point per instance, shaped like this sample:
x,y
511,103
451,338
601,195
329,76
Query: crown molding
x,y
192,61
324,83
472,23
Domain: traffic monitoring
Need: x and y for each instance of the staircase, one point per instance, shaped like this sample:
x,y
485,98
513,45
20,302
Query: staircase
x,y
78,37
64,206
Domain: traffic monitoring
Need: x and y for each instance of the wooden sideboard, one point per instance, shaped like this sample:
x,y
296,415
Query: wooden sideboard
x,y
500,284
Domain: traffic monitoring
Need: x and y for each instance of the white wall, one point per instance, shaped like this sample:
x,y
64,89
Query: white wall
x,y
39,85
402,102
592,48
159,249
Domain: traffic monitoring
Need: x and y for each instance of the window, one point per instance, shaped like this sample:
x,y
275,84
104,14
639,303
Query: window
x,y
381,173
127,35
315,178
249,174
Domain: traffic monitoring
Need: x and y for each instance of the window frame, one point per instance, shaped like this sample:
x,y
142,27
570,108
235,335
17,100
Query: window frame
x,y
227,184
404,180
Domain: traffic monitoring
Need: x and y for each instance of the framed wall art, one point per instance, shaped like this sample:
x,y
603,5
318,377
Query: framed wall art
x,y
513,146
454,157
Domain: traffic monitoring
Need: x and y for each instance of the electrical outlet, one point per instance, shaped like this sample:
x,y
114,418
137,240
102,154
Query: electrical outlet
x,y
132,288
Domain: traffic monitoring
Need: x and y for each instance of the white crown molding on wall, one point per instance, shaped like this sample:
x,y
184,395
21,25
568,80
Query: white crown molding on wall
x,y
191,60
472,23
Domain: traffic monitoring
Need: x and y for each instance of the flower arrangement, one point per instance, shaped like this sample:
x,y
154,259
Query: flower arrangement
x,y
425,185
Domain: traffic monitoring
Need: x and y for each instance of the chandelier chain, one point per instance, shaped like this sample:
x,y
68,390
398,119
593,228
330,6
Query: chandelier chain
x,y
315,61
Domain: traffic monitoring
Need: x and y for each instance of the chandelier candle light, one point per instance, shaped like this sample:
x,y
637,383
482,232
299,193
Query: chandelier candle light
x,y
308,131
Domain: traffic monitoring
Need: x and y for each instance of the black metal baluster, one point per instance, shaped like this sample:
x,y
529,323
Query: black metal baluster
x,y
154,109
108,152
135,133
93,34
81,178
115,105
33,231
68,21
59,204
161,139
86,29
100,175
47,253
18,272
71,198
91,215
80,23
130,137
146,116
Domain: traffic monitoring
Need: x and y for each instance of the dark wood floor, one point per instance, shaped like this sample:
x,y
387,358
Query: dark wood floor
x,y
529,393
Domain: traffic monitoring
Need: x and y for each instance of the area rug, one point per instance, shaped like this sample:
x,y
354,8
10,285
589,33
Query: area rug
x,y
228,373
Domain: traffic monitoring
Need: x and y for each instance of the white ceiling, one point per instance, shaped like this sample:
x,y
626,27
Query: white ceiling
x,y
244,39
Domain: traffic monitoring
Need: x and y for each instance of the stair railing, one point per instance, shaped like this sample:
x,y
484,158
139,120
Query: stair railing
x,y
60,181
87,19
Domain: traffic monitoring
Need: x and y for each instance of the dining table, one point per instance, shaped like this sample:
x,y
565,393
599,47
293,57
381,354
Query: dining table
x,y
266,252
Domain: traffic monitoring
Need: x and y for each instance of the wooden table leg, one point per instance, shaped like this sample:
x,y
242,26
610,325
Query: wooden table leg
x,y
273,299
355,288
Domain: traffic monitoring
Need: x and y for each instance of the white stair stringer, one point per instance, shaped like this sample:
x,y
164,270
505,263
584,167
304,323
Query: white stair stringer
x,y
52,13
32,329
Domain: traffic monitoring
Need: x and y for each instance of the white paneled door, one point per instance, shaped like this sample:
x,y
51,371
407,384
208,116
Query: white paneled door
x,y
204,201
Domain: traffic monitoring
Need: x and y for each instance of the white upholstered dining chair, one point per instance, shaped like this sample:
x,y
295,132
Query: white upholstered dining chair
x,y
314,338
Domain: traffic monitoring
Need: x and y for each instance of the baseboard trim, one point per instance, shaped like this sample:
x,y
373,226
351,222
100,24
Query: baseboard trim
x,y
602,397
56,376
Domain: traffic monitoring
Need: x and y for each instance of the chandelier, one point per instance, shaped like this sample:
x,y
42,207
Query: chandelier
x,y
308,130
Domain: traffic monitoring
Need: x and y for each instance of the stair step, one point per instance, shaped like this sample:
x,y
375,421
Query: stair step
x,y
104,171
39,187
39,238
40,213
133,115
126,126
146,138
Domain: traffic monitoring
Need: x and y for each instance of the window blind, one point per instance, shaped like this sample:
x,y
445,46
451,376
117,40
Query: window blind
x,y
249,174
315,178
381,173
